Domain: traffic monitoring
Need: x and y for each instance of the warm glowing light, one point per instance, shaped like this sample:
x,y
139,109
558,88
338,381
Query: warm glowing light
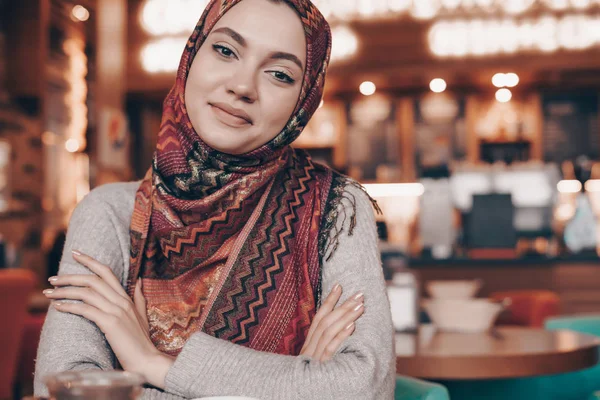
x,y
76,97
321,103
569,186
172,17
379,190
511,79
499,80
437,85
459,38
162,55
503,95
517,6
581,4
344,43
80,13
427,9
367,88
557,4
72,145
593,185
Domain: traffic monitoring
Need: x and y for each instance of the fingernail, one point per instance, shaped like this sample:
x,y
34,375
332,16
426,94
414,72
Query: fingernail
x,y
358,297
336,287
358,307
76,252
48,291
53,278
57,304
350,326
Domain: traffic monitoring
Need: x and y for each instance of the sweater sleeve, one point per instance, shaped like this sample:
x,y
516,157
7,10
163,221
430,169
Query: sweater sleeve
x,y
70,342
363,368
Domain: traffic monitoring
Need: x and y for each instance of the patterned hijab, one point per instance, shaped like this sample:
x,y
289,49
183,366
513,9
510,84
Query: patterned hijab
x,y
233,245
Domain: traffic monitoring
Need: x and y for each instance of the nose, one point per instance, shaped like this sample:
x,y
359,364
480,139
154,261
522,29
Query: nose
x,y
243,85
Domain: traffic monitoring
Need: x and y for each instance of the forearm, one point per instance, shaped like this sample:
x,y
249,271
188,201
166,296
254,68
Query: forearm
x,y
155,394
213,367
69,343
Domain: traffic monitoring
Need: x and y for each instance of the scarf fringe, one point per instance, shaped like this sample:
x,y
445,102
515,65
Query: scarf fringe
x,y
329,236
340,197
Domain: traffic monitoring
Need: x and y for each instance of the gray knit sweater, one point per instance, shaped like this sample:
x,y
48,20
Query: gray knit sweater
x,y
363,369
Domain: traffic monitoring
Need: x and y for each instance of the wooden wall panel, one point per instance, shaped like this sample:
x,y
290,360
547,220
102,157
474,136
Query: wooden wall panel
x,y
27,45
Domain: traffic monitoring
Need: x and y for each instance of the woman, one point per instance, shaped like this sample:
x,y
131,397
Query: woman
x,y
206,278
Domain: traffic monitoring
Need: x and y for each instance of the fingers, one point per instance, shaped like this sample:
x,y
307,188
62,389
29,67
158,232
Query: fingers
x,y
82,309
326,345
335,315
335,344
330,323
101,270
140,304
92,281
104,321
326,307
87,295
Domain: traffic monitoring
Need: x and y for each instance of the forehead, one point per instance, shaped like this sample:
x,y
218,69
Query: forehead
x,y
267,26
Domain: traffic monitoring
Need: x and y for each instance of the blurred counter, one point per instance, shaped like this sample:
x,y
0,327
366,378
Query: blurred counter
x,y
575,279
420,263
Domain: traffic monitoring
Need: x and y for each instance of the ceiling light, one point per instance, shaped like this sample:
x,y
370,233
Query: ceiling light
x,y
503,95
367,88
437,85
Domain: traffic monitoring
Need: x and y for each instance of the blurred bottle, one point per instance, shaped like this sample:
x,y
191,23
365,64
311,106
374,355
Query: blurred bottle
x,y
403,294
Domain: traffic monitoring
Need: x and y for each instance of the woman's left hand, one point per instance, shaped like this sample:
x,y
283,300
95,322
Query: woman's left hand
x,y
123,321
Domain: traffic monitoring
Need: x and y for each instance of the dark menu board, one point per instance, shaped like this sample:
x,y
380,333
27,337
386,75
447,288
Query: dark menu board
x,y
570,126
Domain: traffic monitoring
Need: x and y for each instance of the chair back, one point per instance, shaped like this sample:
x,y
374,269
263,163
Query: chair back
x,y
16,286
408,388
528,307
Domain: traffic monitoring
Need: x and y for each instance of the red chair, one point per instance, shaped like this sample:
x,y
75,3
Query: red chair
x,y
16,286
528,307
26,365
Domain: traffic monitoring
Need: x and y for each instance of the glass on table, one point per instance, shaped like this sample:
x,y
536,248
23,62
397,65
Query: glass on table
x,y
99,385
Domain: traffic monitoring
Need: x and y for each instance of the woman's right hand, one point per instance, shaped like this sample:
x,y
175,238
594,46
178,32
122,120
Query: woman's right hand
x,y
331,325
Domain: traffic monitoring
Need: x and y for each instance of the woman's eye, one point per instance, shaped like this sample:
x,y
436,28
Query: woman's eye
x,y
223,51
282,76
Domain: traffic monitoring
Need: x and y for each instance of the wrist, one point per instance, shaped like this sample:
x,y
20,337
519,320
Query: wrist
x,y
156,368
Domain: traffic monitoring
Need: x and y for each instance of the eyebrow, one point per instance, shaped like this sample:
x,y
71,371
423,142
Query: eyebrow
x,y
278,55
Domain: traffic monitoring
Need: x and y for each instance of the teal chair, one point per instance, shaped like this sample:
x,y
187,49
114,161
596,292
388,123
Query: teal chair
x,y
416,389
585,382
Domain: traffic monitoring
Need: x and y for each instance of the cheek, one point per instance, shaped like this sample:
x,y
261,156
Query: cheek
x,y
281,104
205,75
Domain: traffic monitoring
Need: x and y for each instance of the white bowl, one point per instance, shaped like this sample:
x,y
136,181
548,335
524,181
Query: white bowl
x,y
457,315
455,289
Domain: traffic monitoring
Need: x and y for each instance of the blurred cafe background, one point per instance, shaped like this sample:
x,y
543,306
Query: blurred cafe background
x,y
474,123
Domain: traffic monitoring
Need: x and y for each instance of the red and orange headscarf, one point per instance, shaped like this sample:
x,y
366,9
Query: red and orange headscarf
x,y
233,245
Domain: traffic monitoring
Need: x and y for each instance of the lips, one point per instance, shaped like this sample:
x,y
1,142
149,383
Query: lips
x,y
231,115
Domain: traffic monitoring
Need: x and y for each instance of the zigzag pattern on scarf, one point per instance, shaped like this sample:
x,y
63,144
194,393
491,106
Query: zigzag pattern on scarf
x,y
241,313
226,244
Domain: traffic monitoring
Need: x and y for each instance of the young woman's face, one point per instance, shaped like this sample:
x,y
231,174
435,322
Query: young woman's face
x,y
245,80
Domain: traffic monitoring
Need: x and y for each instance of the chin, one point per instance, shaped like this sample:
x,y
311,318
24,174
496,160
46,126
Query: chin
x,y
218,144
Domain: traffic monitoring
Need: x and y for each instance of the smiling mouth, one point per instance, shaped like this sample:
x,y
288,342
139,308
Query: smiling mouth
x,y
228,118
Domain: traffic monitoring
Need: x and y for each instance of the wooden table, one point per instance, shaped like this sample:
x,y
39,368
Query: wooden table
x,y
504,353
